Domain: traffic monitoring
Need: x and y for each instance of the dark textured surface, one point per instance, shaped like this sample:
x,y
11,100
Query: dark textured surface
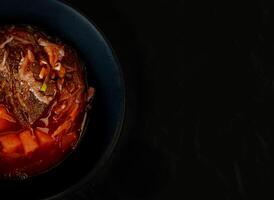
x,y
200,94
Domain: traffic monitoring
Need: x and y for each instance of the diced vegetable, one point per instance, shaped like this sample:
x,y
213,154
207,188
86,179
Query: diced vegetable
x,y
29,142
44,139
44,87
10,143
43,73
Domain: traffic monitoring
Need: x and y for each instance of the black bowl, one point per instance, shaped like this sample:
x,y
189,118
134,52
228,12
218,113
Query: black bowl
x,y
104,121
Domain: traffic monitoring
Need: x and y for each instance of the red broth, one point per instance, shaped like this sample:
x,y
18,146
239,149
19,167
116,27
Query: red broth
x,y
43,100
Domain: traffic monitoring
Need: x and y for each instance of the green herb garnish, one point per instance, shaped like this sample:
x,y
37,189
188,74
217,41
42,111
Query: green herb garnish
x,y
44,87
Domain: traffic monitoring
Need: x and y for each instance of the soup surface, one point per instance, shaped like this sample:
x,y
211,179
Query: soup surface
x,y
43,101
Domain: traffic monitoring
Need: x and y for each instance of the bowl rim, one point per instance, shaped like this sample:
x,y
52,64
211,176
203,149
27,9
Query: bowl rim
x,y
106,156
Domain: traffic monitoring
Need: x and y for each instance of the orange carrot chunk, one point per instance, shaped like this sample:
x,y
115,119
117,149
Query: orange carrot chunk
x,y
44,139
28,141
43,73
10,143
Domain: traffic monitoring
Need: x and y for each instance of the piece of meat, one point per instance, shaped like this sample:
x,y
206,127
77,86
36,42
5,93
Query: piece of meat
x,y
27,108
21,89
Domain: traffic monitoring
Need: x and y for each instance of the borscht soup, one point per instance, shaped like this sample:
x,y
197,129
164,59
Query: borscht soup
x,y
43,101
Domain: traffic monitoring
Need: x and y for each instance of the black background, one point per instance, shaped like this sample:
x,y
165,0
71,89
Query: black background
x,y
199,78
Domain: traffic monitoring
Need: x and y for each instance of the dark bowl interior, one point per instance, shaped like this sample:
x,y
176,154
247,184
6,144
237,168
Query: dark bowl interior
x,y
102,71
